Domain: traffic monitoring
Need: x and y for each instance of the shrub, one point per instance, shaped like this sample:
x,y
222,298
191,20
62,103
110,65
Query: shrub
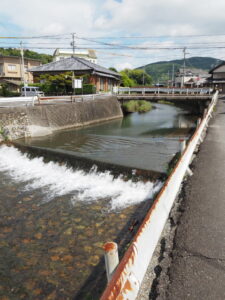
x,y
87,89
136,106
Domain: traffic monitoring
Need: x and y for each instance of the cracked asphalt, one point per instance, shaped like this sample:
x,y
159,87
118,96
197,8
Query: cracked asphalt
x,y
198,265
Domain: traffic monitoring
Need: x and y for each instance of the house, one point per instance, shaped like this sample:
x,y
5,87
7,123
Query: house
x,y
103,78
191,77
217,78
11,71
89,55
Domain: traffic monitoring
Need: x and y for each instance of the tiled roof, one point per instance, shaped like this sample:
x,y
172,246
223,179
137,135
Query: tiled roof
x,y
216,67
73,64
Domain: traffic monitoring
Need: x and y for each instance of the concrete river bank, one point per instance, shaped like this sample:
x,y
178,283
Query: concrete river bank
x,y
55,219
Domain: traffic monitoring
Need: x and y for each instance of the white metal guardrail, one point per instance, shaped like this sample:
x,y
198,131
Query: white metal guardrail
x,y
159,90
129,274
20,101
14,101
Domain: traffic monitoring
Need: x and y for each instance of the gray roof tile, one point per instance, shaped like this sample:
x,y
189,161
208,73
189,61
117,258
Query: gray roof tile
x,y
73,64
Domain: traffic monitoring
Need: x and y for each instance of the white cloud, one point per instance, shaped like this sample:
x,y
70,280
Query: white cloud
x,y
123,65
125,18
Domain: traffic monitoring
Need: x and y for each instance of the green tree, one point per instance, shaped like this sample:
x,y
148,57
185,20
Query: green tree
x,y
61,84
135,77
126,80
113,69
44,58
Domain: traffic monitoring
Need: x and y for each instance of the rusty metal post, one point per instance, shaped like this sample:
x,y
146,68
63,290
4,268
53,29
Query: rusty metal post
x,y
111,258
182,146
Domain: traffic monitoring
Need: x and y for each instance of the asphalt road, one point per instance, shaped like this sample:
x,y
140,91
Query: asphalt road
x,y
198,266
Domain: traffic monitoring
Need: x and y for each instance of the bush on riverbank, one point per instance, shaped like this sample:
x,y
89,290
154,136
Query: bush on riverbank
x,y
165,102
140,106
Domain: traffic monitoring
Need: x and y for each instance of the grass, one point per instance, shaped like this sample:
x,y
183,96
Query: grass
x,y
165,102
2,133
140,106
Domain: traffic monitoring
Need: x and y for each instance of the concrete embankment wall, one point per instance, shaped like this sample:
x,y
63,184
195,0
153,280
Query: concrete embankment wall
x,y
39,120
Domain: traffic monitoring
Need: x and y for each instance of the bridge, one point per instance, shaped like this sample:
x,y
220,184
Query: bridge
x,y
171,94
122,94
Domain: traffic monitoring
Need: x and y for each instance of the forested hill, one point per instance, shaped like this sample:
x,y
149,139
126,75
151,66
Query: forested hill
x,y
162,70
44,58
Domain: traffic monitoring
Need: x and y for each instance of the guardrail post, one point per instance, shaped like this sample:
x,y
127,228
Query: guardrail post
x,y
182,146
199,121
111,258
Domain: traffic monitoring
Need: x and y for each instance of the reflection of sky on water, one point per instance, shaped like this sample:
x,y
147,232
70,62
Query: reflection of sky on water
x,y
144,141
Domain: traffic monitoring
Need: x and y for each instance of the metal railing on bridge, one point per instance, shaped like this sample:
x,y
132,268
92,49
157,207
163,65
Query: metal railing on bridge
x,y
162,90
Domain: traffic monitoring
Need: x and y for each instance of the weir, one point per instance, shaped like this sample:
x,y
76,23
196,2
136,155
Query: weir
x,y
56,214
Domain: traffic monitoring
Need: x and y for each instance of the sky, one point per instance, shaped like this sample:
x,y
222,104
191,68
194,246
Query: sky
x,y
125,33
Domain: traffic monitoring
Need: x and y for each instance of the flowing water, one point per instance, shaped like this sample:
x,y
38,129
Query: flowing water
x,y
145,141
55,219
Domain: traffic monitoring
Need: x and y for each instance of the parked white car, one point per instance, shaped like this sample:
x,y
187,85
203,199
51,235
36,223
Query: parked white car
x,y
31,91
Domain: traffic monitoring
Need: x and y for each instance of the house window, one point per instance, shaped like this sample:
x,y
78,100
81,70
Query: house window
x,y
11,68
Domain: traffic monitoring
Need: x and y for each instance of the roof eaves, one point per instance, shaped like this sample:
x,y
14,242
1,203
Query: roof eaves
x,y
216,67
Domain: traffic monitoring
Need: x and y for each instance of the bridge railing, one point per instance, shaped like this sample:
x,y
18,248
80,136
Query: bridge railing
x,y
26,101
160,90
129,274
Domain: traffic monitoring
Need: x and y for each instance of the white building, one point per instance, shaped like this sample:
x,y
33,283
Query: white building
x,y
191,77
89,55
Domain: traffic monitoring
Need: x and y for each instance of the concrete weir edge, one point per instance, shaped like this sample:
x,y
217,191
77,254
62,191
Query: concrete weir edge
x,y
127,279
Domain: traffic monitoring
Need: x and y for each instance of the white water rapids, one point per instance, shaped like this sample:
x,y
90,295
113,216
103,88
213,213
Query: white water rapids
x,y
56,180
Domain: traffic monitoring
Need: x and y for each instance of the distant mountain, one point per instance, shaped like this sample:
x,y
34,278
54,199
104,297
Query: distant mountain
x,y
162,71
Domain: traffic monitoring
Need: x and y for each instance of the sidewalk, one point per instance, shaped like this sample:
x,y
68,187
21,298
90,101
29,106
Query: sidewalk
x,y
198,266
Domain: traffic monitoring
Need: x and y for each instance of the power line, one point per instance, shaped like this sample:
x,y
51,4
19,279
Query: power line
x,y
63,36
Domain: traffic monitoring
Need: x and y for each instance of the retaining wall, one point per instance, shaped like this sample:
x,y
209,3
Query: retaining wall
x,y
39,120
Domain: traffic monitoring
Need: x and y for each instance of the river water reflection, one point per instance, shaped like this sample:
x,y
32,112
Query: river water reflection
x,y
144,141
54,220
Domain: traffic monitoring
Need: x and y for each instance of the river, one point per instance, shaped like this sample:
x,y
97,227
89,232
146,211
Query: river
x,y
55,219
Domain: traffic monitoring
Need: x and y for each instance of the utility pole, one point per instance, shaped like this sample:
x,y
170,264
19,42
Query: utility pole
x,y
184,51
73,43
22,68
173,76
73,77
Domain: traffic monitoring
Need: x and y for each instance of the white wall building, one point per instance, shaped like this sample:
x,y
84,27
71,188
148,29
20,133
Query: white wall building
x,y
89,55
191,77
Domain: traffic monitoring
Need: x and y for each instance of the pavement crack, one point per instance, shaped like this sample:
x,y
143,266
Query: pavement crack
x,y
200,255
215,262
